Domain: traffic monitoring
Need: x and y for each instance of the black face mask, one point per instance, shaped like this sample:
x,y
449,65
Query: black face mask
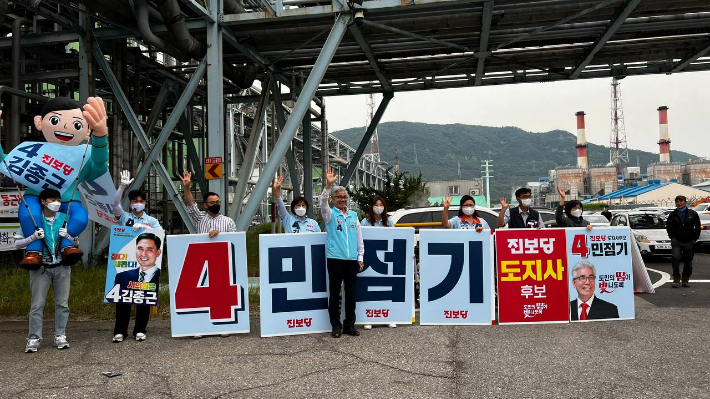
x,y
214,209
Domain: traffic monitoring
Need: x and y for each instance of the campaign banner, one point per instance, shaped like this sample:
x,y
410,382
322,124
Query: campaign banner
x,y
9,203
532,276
208,284
456,268
98,196
601,283
44,165
384,291
7,236
294,284
133,270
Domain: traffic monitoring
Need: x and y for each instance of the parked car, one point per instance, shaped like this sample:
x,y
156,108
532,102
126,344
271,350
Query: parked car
x,y
597,220
649,229
703,211
430,217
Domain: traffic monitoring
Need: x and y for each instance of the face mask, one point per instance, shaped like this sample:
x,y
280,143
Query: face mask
x,y
468,211
54,206
214,209
576,213
137,207
526,202
378,210
300,211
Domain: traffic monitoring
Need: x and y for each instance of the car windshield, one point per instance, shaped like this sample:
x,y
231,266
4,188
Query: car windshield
x,y
647,222
596,219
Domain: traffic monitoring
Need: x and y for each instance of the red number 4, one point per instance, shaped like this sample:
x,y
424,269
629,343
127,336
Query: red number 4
x,y
206,282
579,245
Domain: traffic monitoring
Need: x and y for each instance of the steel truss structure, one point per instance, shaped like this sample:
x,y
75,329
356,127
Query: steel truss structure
x,y
177,73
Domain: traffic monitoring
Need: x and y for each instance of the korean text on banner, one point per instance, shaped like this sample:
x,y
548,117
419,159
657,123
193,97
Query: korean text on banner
x,y
45,165
133,270
9,202
600,274
384,291
7,236
98,198
456,268
293,283
208,284
532,276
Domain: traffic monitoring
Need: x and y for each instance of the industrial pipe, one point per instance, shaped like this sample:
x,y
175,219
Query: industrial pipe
x,y
143,20
14,136
175,22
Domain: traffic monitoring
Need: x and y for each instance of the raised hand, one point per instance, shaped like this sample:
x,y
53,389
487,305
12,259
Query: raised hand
x,y
330,177
277,182
125,179
95,114
447,202
503,203
562,192
186,179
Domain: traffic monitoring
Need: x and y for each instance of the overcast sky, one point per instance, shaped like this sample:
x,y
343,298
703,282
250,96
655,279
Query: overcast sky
x,y
541,107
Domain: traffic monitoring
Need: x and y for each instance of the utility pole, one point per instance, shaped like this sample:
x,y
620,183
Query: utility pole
x,y
486,174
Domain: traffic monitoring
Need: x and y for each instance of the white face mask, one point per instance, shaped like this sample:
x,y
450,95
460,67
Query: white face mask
x,y
300,211
526,202
576,213
137,207
378,209
468,211
54,206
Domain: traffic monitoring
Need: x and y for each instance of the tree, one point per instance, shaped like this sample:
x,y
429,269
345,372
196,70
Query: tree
x,y
399,190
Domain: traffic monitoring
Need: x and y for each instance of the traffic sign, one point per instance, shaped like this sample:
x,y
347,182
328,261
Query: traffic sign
x,y
213,168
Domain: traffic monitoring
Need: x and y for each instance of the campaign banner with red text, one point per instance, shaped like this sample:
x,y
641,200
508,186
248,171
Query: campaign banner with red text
x,y
532,276
208,284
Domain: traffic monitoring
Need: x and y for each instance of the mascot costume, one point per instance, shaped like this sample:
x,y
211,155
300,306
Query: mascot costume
x,y
61,163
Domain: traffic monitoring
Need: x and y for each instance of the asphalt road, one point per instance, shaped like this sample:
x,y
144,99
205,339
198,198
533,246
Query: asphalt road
x,y
663,353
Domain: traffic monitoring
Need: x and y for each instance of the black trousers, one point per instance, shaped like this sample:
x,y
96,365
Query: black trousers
x,y
123,316
340,271
682,251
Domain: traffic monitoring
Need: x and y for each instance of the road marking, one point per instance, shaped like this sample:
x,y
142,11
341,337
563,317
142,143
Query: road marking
x,y
665,277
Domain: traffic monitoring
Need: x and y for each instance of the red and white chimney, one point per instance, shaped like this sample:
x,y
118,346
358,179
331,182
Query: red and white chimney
x,y
664,140
582,160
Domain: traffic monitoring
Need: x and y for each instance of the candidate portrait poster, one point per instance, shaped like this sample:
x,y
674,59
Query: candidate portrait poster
x,y
293,283
384,291
532,276
133,270
600,274
456,269
209,288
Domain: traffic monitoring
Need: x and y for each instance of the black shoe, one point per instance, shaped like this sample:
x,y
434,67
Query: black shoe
x,y
336,333
686,281
676,282
352,331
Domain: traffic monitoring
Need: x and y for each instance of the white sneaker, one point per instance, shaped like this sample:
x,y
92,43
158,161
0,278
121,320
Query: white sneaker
x,y
197,337
141,337
367,327
32,345
118,338
392,325
60,342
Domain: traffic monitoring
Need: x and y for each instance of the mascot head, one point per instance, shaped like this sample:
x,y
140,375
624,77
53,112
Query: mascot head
x,y
61,122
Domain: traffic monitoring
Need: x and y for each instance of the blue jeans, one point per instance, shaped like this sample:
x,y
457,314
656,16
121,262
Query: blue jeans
x,y
40,280
78,219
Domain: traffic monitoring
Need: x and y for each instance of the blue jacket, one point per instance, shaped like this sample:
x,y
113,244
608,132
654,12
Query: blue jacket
x,y
344,233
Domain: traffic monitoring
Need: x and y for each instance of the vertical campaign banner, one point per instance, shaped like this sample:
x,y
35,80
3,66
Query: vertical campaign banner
x,y
98,196
601,283
9,202
208,284
456,269
294,284
384,291
532,276
44,165
133,270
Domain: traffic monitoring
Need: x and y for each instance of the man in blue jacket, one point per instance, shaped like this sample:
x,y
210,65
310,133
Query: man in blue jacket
x,y
345,253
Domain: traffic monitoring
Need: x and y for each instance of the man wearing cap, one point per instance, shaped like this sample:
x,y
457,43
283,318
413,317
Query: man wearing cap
x,y
683,227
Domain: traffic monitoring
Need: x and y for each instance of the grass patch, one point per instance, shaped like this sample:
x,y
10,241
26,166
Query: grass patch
x,y
253,247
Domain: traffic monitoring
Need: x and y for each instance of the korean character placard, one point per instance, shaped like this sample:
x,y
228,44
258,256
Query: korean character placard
x,y
600,274
98,198
456,269
133,270
532,276
7,236
45,165
293,284
208,284
384,292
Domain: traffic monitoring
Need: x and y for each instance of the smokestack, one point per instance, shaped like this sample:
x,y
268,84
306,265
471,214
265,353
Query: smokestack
x,y
664,140
582,160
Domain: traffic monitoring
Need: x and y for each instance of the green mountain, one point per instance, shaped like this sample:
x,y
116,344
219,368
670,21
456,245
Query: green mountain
x,y
518,156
